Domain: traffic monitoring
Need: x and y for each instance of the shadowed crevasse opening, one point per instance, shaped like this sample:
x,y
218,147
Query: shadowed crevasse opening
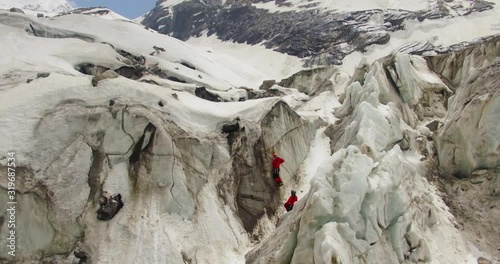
x,y
139,155
256,192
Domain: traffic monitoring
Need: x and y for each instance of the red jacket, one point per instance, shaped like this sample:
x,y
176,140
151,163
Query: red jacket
x,y
277,162
291,200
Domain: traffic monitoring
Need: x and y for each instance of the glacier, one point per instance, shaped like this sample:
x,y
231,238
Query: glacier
x,y
396,161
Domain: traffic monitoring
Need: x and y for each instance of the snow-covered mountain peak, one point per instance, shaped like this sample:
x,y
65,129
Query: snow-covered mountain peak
x,y
51,6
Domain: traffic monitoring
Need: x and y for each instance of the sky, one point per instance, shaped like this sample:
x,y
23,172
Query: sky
x,y
127,8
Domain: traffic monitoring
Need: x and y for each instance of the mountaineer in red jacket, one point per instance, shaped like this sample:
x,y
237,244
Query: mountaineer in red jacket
x,y
276,168
291,201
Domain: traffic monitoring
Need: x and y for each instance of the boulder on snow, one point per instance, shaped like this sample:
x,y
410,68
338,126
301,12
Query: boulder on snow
x,y
16,10
109,207
203,93
257,94
267,84
483,260
81,255
109,74
433,126
43,74
90,69
230,128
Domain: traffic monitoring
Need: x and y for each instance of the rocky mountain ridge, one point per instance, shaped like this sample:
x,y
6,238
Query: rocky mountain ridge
x,y
322,37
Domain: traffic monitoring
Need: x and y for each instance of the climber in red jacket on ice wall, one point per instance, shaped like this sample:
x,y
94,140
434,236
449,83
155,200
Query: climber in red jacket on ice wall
x,y
291,201
277,161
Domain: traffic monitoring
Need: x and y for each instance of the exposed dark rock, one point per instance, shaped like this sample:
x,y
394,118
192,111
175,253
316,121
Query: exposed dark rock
x,y
233,132
138,148
16,10
100,72
482,260
135,59
82,256
151,82
267,84
158,49
40,15
186,259
155,70
133,73
203,93
189,65
257,94
109,74
230,128
42,74
433,126
109,207
175,79
90,69
481,6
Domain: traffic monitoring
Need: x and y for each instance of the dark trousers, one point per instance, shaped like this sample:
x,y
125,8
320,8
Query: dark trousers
x,y
276,176
276,172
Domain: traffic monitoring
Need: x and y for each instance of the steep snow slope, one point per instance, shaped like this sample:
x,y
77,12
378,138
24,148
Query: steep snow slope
x,y
267,63
170,56
50,6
